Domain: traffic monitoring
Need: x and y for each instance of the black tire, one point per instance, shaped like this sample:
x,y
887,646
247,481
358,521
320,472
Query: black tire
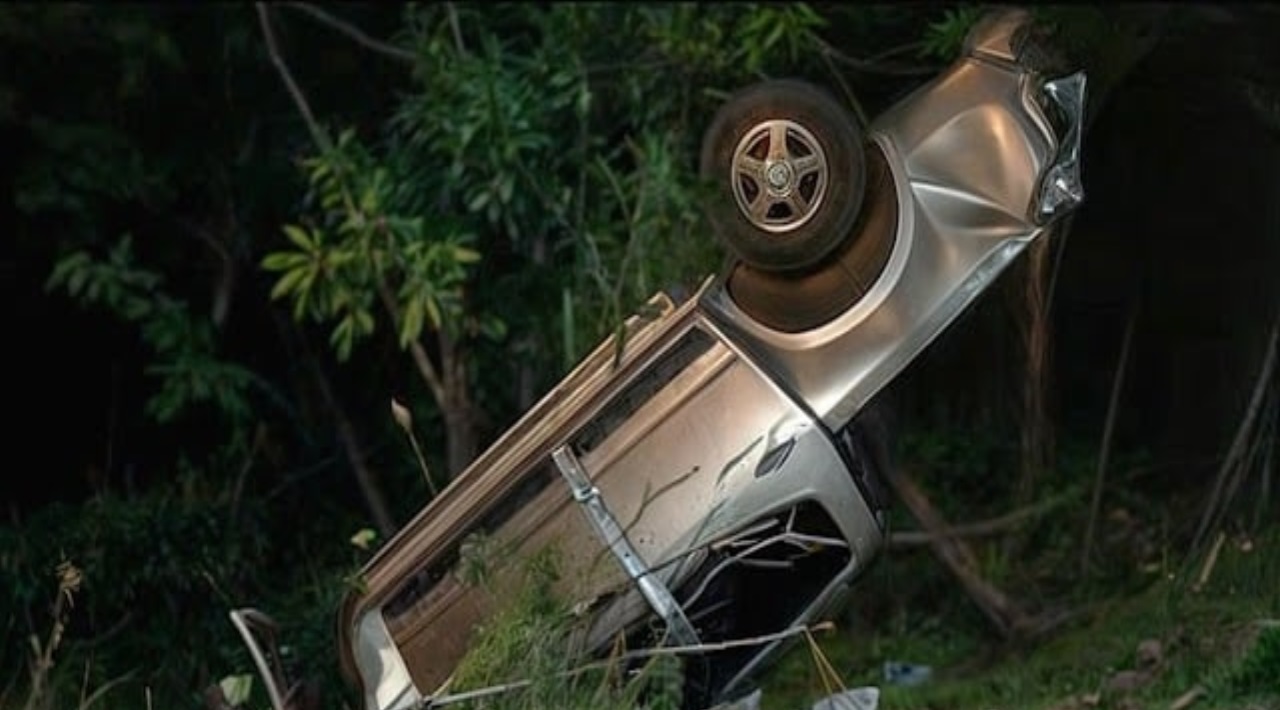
x,y
783,205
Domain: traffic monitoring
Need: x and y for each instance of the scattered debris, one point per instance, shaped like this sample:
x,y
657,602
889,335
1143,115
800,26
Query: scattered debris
x,y
1209,563
867,698
1150,655
1128,681
747,702
907,674
1185,700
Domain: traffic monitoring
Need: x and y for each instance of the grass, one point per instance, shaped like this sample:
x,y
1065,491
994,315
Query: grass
x,y
1217,627
1218,648
1205,637
529,644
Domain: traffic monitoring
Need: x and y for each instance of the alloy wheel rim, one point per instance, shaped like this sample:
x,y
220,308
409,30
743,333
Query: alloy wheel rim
x,y
780,174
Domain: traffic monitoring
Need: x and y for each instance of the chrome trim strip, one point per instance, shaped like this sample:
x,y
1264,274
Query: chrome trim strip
x,y
612,535
388,685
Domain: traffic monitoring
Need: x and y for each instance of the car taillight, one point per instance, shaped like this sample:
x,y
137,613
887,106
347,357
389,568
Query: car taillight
x,y
386,680
1060,186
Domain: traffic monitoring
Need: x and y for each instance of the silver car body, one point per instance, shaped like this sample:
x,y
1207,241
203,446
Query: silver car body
x,y
979,173
705,443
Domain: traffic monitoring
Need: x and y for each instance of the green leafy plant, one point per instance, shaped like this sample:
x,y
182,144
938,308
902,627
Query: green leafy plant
x,y
773,34
43,652
1257,675
944,38
186,362
524,658
365,254
139,564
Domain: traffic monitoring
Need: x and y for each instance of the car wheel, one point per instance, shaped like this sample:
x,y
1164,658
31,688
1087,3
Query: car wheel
x,y
786,169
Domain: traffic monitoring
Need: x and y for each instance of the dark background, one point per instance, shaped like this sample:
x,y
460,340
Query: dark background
x,y
1180,231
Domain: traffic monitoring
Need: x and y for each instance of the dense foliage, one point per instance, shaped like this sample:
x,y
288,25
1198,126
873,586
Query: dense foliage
x,y
238,232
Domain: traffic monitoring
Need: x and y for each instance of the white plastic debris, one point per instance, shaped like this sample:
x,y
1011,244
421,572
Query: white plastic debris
x,y
867,698
748,702
908,674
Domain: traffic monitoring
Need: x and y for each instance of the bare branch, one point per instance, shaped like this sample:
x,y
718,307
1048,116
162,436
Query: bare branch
x,y
1233,469
1108,429
347,435
1003,611
982,528
426,368
849,94
355,33
442,700
299,99
871,66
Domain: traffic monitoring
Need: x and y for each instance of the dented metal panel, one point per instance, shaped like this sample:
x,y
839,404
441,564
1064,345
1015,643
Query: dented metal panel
x,y
967,152
704,450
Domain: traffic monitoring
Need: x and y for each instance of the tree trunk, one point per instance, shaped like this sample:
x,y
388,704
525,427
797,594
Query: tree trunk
x,y
451,390
1005,614
460,420
1037,429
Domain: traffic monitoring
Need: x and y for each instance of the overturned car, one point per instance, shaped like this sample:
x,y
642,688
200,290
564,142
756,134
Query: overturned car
x,y
711,473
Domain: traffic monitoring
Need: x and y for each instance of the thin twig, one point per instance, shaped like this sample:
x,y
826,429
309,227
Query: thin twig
x,y
422,461
911,538
354,32
895,51
99,640
87,701
351,446
1253,458
850,96
299,99
1187,699
1108,429
1268,467
1061,230
237,489
1216,504
830,677
629,656
1210,562
874,67
1003,611
630,65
